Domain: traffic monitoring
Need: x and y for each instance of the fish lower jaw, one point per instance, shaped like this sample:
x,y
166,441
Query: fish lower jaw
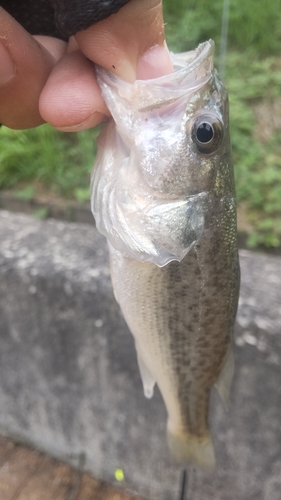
x,y
189,449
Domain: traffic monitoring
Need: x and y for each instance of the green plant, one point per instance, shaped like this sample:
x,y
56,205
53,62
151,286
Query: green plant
x,y
26,193
257,156
61,162
251,23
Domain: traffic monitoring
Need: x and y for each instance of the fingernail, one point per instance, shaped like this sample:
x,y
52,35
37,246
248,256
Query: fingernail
x,y
154,63
125,70
7,67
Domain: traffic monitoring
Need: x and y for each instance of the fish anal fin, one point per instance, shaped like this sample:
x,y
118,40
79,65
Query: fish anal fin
x,y
188,449
148,381
223,384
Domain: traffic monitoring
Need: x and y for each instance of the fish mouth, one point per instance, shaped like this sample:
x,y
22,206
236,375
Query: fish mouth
x,y
192,70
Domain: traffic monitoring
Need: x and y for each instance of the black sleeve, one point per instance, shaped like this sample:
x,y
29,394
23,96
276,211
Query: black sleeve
x,y
60,18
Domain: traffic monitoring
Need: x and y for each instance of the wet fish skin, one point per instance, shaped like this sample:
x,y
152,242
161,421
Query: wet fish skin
x,y
181,311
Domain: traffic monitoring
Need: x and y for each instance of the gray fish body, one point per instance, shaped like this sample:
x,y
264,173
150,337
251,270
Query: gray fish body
x,y
164,195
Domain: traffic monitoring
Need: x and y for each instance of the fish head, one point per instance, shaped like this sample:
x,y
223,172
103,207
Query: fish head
x,y
177,148
162,159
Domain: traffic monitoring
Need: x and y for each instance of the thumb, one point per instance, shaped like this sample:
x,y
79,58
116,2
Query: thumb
x,y
130,43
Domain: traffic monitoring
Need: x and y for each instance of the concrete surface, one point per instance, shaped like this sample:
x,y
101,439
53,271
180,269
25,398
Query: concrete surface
x,y
69,382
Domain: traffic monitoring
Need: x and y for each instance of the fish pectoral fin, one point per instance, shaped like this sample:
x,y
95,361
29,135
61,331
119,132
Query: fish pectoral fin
x,y
223,384
188,449
148,381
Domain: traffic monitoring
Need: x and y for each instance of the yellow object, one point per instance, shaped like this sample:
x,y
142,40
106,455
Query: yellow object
x,y
119,475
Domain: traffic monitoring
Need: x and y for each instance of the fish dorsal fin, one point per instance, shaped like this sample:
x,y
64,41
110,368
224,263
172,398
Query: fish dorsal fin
x,y
148,380
224,381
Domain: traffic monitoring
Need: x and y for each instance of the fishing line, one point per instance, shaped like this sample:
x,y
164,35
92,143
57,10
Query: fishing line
x,y
188,483
184,485
224,36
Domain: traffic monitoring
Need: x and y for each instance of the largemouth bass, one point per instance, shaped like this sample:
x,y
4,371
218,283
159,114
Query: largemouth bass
x,y
163,194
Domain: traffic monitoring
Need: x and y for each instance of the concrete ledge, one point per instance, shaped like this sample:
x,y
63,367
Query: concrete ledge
x,y
69,383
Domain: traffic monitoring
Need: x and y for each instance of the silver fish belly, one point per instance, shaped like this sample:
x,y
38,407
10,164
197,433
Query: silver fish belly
x,y
163,194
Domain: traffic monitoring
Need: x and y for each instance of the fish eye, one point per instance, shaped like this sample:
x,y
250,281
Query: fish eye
x,y
207,133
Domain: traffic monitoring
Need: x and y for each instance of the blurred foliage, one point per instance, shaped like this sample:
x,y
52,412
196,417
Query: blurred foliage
x,y
63,162
256,141
251,23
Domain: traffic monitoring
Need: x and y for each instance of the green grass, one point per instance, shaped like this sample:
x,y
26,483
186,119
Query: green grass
x,y
63,162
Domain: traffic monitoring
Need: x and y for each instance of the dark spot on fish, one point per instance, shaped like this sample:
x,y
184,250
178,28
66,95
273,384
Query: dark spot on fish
x,y
202,362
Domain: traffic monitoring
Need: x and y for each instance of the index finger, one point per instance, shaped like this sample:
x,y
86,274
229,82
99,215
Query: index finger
x,y
124,40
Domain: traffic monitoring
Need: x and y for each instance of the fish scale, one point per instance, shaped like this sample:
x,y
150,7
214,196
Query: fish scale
x,y
166,202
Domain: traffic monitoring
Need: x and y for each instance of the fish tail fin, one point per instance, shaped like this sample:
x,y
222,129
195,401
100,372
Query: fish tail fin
x,y
190,449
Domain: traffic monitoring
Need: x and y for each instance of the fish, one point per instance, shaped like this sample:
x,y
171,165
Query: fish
x,y
163,194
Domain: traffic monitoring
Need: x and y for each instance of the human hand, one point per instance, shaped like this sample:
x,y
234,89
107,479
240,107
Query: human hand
x,y
46,79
